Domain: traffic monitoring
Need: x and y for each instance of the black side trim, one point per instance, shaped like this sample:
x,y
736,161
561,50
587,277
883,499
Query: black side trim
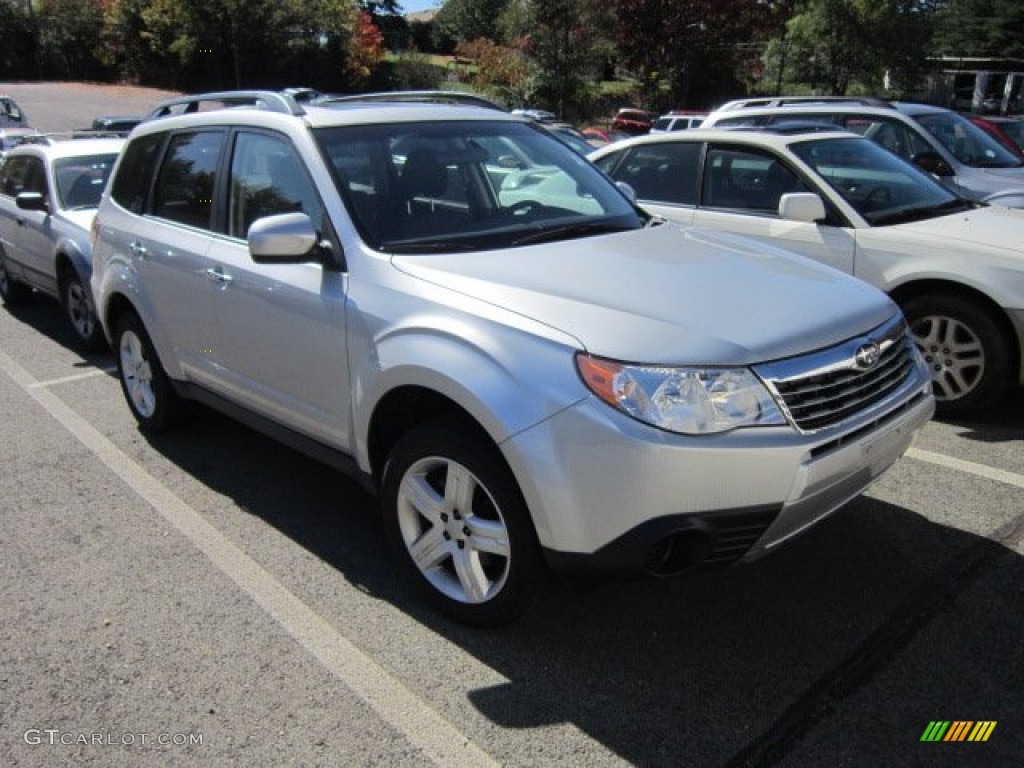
x,y
332,457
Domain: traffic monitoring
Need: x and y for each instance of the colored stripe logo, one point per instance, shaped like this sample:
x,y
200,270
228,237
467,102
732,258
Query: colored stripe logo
x,y
958,730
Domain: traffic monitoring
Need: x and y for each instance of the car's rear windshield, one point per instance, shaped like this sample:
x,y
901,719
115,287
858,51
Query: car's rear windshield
x,y
468,185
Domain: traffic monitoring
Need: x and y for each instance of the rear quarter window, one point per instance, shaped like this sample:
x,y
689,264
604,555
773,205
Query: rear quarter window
x,y
131,184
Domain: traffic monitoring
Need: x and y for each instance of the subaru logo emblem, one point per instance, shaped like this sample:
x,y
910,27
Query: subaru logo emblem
x,y
866,356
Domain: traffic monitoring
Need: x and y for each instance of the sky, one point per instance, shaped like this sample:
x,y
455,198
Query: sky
x,y
411,6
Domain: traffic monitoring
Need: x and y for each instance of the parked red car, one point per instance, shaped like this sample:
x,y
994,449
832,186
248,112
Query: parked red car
x,y
633,121
599,136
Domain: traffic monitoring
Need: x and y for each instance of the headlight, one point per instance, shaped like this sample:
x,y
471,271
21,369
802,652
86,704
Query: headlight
x,y
691,401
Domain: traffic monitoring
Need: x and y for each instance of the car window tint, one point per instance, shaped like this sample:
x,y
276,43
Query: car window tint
x,y
25,173
267,178
746,179
13,175
665,172
894,135
184,188
130,186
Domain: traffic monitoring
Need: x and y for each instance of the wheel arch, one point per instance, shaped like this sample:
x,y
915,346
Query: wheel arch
x,y
931,287
404,408
917,288
117,302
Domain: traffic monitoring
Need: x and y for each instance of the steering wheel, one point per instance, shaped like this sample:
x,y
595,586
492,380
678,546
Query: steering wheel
x,y
520,208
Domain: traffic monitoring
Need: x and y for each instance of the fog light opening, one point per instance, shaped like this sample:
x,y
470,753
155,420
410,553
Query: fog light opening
x,y
678,552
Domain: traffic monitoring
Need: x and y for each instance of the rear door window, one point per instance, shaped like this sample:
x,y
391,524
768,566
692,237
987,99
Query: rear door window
x,y
185,185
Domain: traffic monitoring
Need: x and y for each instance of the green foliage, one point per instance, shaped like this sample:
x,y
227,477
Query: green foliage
x,y
17,43
990,28
831,43
464,20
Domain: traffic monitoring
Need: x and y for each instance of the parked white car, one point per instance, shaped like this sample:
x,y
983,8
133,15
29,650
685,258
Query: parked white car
x,y
955,267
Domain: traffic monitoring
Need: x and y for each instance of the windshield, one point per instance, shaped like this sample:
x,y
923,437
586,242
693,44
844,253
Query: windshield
x,y
1015,130
80,180
468,185
882,187
967,142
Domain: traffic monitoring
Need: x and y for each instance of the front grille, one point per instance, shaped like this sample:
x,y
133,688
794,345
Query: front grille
x,y
829,387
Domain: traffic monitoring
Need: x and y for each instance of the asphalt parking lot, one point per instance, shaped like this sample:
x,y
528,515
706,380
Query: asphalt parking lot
x,y
208,597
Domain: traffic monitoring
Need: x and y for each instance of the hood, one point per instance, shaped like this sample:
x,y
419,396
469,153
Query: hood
x,y
1015,174
991,227
668,295
80,217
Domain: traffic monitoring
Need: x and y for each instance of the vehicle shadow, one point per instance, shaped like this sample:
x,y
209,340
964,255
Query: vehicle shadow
x,y
839,649
1001,423
45,316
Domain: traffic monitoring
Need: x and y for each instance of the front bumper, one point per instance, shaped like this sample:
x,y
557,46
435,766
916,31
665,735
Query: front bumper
x,y
611,496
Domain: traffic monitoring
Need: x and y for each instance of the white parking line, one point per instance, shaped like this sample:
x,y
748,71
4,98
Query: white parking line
x,y
970,467
67,379
414,718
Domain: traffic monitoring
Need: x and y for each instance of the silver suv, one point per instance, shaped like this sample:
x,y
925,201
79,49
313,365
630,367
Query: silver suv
x,y
532,373
49,192
967,160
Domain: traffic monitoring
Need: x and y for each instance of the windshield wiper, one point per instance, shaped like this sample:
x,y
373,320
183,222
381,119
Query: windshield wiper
x,y
431,246
568,232
923,212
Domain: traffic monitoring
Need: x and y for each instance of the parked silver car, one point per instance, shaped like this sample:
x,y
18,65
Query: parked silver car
x,y
965,158
529,370
49,192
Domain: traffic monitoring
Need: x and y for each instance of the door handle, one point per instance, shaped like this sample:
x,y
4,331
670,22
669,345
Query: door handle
x,y
218,275
138,249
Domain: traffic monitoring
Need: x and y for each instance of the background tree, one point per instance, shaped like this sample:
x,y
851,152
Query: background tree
x,y
18,51
465,20
684,52
834,42
505,71
569,45
991,28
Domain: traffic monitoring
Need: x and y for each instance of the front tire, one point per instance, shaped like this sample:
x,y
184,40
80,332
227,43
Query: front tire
x,y
463,532
146,386
74,297
967,353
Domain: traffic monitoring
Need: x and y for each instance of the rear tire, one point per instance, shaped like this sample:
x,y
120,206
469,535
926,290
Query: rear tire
x,y
461,527
968,355
146,386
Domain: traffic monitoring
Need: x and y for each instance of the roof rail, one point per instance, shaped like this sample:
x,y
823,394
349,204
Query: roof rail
x,y
51,137
430,97
272,101
787,101
795,127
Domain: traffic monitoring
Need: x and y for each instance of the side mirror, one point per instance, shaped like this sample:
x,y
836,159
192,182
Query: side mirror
x,y
933,163
288,238
801,206
31,201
